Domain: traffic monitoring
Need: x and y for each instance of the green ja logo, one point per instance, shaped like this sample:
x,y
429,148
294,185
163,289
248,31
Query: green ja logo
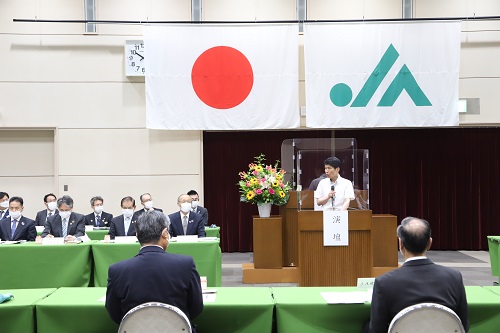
x,y
341,93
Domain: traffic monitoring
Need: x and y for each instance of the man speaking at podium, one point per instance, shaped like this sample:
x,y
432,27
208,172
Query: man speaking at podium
x,y
333,192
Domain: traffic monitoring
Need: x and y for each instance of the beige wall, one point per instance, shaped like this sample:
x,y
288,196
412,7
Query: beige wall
x,y
69,115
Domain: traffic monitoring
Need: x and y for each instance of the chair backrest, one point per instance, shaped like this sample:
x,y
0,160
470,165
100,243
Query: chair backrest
x,y
426,318
155,317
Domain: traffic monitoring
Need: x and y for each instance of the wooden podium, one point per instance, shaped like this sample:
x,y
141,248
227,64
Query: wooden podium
x,y
372,249
334,265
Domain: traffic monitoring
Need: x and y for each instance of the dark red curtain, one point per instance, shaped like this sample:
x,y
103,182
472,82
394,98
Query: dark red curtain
x,y
448,176
225,154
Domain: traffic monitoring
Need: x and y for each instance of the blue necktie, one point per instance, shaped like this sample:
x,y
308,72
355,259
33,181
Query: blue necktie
x,y
98,220
14,226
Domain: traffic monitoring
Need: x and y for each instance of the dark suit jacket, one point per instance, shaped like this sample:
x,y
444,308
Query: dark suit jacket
x,y
195,225
41,217
76,225
25,229
171,279
416,282
140,211
105,219
204,214
117,227
6,215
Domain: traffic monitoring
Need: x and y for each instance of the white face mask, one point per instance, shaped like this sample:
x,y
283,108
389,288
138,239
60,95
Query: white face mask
x,y
15,215
194,204
52,205
4,204
186,207
64,215
148,204
127,212
98,209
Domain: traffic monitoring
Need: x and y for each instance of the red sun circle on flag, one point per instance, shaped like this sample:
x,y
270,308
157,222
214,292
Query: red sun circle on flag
x,y
222,77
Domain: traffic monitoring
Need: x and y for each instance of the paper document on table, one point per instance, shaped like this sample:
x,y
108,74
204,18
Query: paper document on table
x,y
209,298
10,242
349,297
102,299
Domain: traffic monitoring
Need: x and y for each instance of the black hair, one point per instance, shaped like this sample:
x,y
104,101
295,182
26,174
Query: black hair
x,y
46,196
129,198
332,161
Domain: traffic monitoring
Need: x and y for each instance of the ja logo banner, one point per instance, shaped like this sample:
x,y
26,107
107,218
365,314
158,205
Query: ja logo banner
x,y
341,93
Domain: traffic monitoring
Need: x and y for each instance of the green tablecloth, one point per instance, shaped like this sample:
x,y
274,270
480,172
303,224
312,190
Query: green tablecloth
x,y
241,309
17,315
484,309
206,254
494,247
302,309
99,234
32,265
77,310
213,232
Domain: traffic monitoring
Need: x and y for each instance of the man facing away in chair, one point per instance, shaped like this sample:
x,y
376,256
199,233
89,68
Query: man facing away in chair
x,y
419,280
153,275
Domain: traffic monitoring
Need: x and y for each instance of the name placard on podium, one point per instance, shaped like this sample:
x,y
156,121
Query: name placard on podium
x,y
335,228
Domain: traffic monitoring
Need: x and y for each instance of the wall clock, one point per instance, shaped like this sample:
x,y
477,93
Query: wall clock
x,y
134,58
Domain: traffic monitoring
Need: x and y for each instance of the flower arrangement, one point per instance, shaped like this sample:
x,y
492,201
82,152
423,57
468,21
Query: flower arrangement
x,y
264,183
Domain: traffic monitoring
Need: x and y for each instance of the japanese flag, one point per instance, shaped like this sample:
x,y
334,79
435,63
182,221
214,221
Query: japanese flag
x,y
206,77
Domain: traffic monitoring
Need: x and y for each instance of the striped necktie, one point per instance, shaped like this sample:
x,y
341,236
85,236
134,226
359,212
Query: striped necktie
x,y
185,224
65,227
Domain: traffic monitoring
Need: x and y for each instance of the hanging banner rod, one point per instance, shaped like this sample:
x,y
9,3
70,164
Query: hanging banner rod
x,y
463,18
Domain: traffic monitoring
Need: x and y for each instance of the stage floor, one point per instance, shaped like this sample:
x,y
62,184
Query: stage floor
x,y
474,266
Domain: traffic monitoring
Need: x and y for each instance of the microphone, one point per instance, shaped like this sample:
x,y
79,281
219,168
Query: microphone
x,y
333,197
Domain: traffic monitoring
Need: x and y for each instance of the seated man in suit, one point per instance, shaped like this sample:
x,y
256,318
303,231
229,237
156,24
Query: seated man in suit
x,y
50,201
4,205
98,218
147,203
195,207
171,278
17,227
419,280
186,222
124,225
67,223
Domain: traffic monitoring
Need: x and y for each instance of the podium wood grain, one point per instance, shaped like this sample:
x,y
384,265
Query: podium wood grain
x,y
267,242
334,265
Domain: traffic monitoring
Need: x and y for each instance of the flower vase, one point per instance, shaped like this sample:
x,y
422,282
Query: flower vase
x,y
264,209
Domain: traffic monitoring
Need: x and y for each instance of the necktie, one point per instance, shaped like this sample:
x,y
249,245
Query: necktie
x,y
98,220
185,224
65,228
50,214
127,225
2,214
14,226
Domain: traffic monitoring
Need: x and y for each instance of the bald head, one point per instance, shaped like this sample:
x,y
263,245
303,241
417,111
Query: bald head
x,y
415,235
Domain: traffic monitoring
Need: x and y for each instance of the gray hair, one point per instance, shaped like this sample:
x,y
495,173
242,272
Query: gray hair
x,y
149,227
96,198
179,197
65,199
415,234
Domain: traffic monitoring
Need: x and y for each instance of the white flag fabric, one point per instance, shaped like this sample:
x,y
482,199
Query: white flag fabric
x,y
231,77
382,74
